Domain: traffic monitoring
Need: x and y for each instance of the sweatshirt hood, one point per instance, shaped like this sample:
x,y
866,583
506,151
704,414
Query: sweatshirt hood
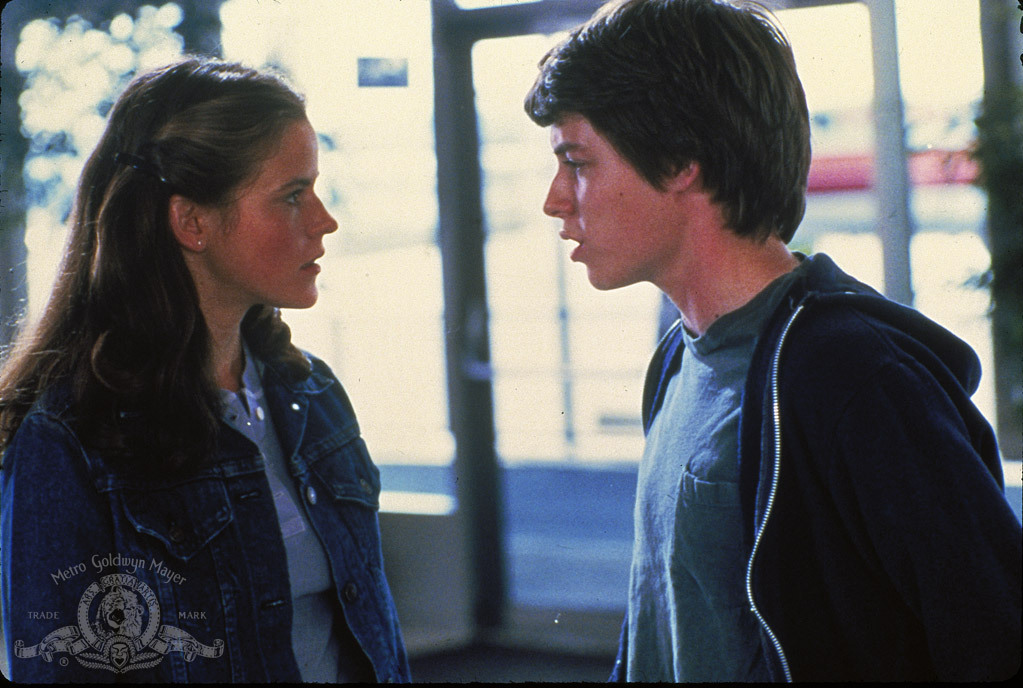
x,y
822,281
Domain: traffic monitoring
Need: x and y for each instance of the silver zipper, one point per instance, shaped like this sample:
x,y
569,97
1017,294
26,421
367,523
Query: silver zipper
x,y
776,411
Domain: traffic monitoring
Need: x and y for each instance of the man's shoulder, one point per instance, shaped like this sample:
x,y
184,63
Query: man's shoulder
x,y
828,354
843,353
835,331
861,333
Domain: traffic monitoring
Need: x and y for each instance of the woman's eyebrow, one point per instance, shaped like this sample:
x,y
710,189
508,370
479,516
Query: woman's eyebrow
x,y
297,182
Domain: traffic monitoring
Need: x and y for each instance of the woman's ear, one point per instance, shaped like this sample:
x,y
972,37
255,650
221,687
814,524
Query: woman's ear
x,y
189,222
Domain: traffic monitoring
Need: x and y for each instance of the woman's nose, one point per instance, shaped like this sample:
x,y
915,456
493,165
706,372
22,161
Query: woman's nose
x,y
325,222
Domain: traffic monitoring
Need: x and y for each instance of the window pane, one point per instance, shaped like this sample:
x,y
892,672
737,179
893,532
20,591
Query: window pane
x,y
568,362
477,4
379,320
833,55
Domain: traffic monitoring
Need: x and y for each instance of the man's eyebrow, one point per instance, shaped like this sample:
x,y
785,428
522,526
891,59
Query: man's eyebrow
x,y
567,147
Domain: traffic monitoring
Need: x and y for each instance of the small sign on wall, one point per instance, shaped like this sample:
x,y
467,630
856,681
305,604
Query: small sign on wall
x,y
383,71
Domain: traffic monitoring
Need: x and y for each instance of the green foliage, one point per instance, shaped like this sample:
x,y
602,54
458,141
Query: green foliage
x,y
999,153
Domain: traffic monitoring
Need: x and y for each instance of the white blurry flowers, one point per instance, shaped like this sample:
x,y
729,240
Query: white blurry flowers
x,y
72,75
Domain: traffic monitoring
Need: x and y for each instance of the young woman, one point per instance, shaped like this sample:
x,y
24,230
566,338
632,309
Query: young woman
x,y
185,495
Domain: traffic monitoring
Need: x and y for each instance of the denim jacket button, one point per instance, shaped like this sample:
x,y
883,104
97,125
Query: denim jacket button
x,y
351,592
177,535
310,494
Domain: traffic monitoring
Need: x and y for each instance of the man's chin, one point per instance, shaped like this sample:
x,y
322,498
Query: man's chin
x,y
606,282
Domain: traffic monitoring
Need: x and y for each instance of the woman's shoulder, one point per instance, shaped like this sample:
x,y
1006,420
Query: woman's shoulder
x,y
46,442
53,409
316,374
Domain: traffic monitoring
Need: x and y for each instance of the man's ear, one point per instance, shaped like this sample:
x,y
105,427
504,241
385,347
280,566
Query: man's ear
x,y
689,177
189,222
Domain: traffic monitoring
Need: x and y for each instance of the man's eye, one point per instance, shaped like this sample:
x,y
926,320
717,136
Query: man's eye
x,y
293,197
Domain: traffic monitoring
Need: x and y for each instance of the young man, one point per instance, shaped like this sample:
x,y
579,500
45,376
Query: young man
x,y
818,498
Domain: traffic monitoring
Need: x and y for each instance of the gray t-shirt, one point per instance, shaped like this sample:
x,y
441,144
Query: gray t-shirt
x,y
319,636
688,616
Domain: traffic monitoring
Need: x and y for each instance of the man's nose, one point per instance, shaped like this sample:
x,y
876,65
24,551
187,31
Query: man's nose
x,y
557,203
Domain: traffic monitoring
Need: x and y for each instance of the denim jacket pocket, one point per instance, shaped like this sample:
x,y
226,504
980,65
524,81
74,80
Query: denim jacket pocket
x,y
342,464
183,517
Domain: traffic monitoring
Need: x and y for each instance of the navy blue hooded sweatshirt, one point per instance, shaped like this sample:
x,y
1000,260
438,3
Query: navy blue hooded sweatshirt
x,y
880,542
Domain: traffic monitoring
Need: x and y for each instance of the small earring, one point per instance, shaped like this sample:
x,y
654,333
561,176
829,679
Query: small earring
x,y
199,243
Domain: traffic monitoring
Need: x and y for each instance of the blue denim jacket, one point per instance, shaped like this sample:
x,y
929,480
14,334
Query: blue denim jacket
x,y
107,576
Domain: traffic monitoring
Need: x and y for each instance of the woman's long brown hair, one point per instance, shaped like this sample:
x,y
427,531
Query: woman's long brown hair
x,y
122,328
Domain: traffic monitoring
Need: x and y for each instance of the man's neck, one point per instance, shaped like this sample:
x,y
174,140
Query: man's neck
x,y
725,273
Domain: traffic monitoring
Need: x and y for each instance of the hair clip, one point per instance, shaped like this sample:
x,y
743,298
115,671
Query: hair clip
x,y
140,164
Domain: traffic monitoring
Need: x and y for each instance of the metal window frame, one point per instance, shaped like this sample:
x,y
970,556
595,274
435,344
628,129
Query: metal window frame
x,y
461,236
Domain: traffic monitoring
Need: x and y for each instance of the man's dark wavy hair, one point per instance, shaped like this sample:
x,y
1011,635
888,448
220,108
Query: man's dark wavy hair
x,y
123,327
669,82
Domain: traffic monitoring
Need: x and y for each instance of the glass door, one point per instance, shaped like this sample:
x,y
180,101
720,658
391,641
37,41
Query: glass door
x,y
568,363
